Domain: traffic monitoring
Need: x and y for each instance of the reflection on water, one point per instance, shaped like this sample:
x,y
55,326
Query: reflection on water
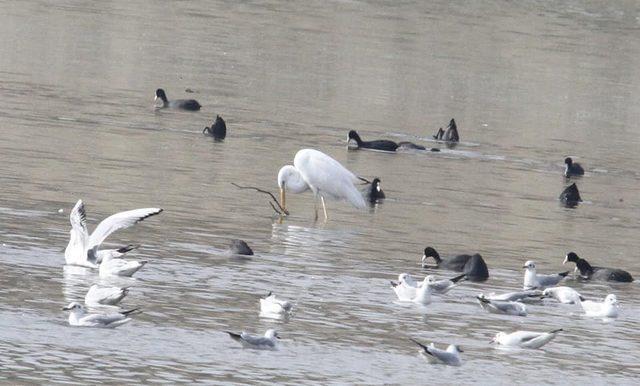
x,y
528,83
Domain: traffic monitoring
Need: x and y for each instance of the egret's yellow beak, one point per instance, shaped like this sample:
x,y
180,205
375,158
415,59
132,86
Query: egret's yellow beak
x,y
283,201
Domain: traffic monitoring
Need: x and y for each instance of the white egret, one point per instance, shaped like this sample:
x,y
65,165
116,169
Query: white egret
x,y
323,175
83,248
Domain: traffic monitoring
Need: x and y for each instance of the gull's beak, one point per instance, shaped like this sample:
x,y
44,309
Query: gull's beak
x,y
492,341
283,201
460,350
65,308
524,266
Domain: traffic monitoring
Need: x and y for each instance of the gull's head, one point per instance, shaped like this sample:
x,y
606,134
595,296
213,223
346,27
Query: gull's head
x,y
430,279
611,299
548,292
271,334
73,306
498,337
529,265
453,348
571,257
405,278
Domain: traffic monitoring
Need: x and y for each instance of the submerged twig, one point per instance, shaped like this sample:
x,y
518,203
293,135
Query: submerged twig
x,y
280,210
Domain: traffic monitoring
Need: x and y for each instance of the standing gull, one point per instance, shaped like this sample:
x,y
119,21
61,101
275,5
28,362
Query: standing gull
x,y
324,176
433,355
533,280
78,317
83,248
267,342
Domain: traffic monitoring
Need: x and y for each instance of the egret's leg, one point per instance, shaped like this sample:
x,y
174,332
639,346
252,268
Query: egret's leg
x,y
315,209
324,208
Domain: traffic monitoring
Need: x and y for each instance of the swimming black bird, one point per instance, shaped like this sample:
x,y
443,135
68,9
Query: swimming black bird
x,y
473,266
451,135
452,132
597,273
183,104
572,168
374,191
239,247
381,144
570,196
218,129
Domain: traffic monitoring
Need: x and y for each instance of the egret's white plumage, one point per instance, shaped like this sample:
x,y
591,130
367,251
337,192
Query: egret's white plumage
x,y
606,309
83,248
104,295
267,342
323,175
525,339
78,317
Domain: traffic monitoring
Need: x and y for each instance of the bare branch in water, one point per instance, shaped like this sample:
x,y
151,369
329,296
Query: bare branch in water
x,y
280,210
364,179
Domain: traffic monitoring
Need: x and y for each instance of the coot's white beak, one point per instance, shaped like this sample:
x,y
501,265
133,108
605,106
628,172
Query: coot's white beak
x,y
566,260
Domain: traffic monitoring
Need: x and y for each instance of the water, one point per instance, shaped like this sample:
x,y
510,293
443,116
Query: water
x,y
528,83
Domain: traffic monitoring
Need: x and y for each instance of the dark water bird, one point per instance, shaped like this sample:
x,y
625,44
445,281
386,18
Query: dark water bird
x,y
597,273
239,247
183,104
382,144
451,135
374,192
570,196
572,168
218,129
473,266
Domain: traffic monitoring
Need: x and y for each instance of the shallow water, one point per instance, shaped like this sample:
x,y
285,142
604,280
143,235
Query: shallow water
x,y
528,83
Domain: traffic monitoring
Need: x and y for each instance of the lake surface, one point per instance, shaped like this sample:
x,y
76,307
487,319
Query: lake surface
x,y
529,83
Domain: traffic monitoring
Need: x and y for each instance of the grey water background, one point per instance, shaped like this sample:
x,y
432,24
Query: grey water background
x,y
528,83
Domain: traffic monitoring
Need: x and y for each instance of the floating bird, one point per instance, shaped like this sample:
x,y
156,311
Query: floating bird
x,y
451,135
380,144
565,295
517,296
502,307
472,265
532,280
79,317
408,290
373,192
239,247
597,273
119,267
266,342
525,339
218,129
443,286
433,355
83,249
405,288
572,168
570,196
272,305
323,175
104,295
606,309
182,104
